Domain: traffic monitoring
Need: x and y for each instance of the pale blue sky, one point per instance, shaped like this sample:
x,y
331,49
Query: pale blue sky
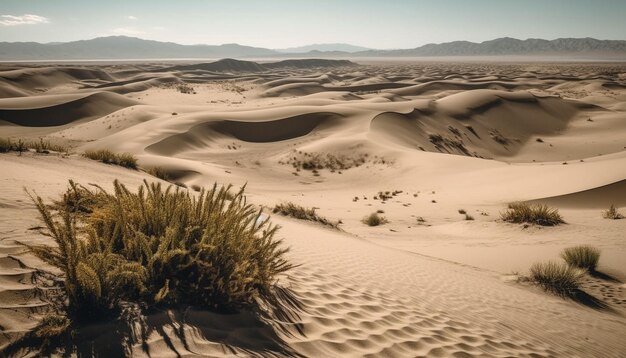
x,y
286,23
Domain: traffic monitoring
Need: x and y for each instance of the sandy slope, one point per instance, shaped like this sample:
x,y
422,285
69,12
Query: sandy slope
x,y
444,137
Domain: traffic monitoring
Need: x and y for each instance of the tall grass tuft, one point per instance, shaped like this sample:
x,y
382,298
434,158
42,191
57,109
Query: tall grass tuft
x,y
299,212
106,156
159,172
532,214
159,247
584,257
612,213
557,277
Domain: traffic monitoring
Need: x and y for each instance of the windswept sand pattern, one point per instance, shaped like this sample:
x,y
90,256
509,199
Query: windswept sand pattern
x,y
426,145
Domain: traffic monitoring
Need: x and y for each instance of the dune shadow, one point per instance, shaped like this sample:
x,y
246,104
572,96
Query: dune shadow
x,y
177,332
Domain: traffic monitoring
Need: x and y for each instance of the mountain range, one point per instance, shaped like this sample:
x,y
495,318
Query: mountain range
x,y
123,47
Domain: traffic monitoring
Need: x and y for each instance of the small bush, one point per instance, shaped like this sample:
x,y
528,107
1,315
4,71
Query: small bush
x,y
532,214
106,156
374,219
469,217
158,247
612,213
584,257
299,212
556,277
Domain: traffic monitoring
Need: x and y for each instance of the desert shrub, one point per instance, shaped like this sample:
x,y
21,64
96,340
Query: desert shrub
x,y
20,145
556,277
302,213
185,88
532,214
159,172
374,219
584,256
106,156
469,217
159,247
612,213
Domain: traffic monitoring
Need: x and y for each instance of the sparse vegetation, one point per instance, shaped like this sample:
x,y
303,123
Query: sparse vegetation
x,y
556,277
185,88
302,213
532,213
584,257
158,172
469,217
315,162
158,247
106,156
612,213
443,144
39,146
374,219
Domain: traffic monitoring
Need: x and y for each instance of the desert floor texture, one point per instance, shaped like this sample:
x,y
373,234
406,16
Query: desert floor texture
x,y
419,141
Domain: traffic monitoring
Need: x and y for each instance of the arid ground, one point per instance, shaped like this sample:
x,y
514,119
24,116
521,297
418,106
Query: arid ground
x,y
439,149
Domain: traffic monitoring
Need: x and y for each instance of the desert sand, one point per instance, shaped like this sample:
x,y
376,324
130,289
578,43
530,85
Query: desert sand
x,y
439,137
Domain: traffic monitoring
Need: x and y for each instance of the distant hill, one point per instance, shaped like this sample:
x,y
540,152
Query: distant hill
x,y
324,48
122,47
232,65
511,46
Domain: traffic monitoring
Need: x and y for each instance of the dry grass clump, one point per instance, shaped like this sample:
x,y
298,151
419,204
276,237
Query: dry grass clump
x,y
159,172
584,257
39,146
185,88
302,213
158,247
106,156
612,213
334,163
443,144
374,219
556,277
532,213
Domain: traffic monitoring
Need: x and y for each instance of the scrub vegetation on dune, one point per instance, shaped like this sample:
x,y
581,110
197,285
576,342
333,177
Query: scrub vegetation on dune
x,y
584,257
106,156
612,213
557,277
375,219
21,145
532,214
158,247
296,211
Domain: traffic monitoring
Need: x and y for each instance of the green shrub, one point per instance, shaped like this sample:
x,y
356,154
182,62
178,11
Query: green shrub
x,y
374,219
584,256
532,214
299,212
106,156
159,247
556,277
612,213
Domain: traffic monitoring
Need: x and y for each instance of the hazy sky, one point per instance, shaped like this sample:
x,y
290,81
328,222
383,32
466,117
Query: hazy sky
x,y
285,23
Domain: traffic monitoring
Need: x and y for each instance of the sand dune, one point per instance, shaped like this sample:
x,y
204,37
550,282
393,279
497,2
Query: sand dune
x,y
439,138
56,110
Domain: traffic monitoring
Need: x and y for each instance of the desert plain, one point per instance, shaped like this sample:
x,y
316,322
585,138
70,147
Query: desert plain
x,y
439,149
